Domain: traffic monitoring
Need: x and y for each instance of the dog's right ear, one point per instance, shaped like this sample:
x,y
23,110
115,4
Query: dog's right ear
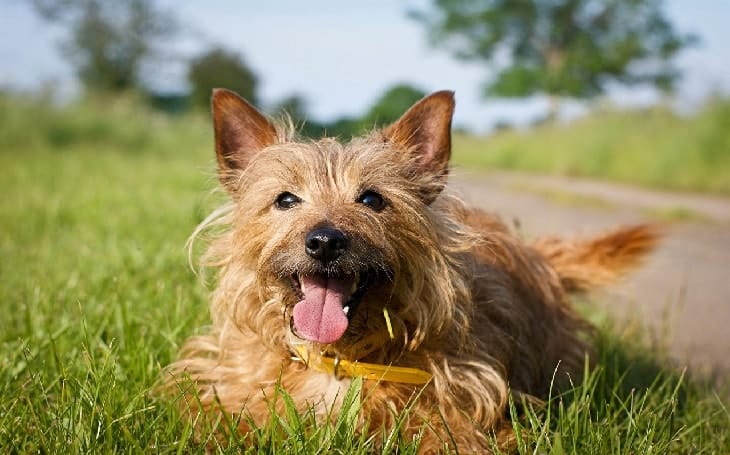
x,y
241,131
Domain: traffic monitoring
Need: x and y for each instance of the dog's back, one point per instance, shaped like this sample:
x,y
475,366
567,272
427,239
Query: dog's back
x,y
523,295
538,279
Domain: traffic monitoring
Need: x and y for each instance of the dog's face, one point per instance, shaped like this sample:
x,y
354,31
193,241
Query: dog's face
x,y
335,232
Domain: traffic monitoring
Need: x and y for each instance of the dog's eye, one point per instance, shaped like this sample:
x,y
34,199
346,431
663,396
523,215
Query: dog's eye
x,y
372,200
286,201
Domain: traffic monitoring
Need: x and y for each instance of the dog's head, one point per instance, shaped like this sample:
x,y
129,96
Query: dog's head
x,y
337,232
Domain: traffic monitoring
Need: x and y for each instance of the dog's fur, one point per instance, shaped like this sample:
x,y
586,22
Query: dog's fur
x,y
485,313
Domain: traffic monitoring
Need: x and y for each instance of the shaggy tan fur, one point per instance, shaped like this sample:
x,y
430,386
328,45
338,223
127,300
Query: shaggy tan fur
x,y
486,314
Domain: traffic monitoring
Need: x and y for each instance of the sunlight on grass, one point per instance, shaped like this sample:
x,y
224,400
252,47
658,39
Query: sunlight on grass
x,y
97,296
652,147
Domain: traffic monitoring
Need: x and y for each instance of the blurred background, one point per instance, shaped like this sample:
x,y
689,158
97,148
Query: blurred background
x,y
510,63
572,116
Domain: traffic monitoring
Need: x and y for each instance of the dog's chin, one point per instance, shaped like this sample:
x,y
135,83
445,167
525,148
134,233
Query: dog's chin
x,y
327,302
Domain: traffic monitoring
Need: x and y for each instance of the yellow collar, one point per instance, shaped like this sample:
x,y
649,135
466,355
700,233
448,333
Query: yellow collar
x,y
372,371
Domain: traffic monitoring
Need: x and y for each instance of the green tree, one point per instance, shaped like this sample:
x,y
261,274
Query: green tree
x,y
559,47
391,105
109,41
294,105
386,109
219,67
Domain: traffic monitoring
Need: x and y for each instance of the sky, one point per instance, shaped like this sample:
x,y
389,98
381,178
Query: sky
x,y
341,55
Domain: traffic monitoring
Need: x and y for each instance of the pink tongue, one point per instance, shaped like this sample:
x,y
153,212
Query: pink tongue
x,y
319,316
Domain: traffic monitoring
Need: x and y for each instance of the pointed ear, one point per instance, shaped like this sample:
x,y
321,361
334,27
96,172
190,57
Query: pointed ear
x,y
240,132
425,131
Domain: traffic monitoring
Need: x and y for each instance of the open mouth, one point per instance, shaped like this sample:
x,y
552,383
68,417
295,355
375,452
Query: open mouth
x,y
327,304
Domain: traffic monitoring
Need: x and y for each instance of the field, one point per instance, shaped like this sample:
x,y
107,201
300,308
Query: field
x,y
96,295
652,147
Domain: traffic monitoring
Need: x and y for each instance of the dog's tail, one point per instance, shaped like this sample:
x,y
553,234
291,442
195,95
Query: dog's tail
x,y
591,263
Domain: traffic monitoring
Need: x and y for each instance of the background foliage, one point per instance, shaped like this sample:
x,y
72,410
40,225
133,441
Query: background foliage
x,y
559,47
108,42
220,68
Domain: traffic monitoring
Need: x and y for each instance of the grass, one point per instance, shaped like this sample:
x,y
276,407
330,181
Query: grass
x,y
652,147
96,296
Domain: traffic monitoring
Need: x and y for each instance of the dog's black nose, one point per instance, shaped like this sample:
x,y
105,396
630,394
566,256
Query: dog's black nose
x,y
326,244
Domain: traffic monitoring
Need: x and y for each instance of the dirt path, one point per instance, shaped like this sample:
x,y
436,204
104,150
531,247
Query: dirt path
x,y
682,294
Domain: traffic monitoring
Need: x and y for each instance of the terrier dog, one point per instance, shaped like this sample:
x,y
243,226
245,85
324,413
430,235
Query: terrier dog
x,y
344,260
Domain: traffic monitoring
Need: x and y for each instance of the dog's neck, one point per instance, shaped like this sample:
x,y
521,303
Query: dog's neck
x,y
335,364
340,368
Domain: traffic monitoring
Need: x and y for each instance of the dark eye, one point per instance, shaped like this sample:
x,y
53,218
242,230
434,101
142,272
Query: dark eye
x,y
286,201
372,200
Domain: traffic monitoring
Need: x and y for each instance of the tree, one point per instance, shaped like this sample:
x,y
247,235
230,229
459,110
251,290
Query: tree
x,y
220,68
392,104
293,105
385,110
559,47
108,40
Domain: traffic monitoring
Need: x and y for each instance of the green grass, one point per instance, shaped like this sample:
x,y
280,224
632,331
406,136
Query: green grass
x,y
96,296
652,147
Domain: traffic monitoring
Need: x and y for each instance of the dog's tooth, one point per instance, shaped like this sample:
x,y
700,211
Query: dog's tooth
x,y
346,310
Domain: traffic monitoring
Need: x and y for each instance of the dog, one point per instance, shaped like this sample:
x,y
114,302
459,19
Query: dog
x,y
353,259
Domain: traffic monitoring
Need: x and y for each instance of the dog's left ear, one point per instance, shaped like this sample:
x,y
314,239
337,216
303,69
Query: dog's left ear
x,y
425,131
